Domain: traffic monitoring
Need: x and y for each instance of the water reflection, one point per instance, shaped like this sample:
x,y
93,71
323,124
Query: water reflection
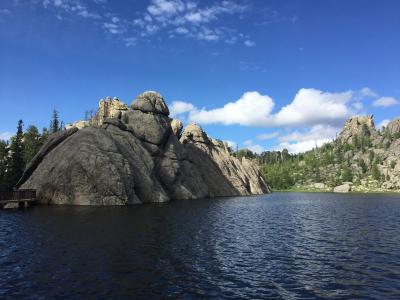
x,y
300,246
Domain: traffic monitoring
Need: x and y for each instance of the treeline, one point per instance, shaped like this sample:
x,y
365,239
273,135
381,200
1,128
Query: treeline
x,y
332,164
16,153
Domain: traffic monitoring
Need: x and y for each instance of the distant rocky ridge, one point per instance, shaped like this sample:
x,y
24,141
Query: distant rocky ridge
x,y
137,154
370,157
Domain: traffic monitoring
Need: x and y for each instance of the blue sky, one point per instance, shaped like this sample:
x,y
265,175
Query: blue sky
x,y
263,74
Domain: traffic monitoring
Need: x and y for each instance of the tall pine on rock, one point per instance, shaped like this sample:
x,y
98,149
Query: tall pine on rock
x,y
54,123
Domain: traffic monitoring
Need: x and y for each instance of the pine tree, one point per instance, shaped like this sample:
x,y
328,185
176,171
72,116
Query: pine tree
x,y
44,136
16,164
54,123
3,164
32,143
376,174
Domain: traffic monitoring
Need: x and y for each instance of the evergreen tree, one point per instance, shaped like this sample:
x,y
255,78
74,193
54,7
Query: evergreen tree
x,y
347,175
16,164
44,136
54,123
3,164
32,143
376,174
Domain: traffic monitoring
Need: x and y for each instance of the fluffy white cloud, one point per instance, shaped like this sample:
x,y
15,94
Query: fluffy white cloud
x,y
252,109
385,102
268,136
5,136
309,107
312,106
304,140
298,147
179,107
316,132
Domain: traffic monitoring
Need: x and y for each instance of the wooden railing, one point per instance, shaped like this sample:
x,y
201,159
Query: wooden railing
x,y
18,195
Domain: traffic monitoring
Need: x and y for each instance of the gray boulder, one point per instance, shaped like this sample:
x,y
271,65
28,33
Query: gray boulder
x,y
150,102
344,188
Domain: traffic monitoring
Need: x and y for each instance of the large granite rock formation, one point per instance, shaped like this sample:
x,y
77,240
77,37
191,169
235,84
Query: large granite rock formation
x,y
133,155
355,126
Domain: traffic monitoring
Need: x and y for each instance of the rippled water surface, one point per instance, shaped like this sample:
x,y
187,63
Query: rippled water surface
x,y
284,245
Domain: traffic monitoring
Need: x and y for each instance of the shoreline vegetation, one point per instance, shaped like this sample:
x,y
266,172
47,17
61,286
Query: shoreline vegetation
x,y
310,190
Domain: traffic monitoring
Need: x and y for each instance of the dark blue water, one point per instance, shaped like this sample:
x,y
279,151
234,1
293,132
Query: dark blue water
x,y
279,246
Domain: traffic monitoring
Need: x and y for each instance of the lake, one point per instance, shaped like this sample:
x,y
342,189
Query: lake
x,y
278,246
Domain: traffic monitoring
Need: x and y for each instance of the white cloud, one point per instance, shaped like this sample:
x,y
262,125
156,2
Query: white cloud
x,y
174,18
130,41
113,28
179,107
5,136
383,123
189,19
71,7
249,43
181,30
252,109
358,105
309,107
256,148
268,136
366,91
312,106
165,7
298,147
306,139
316,132
385,102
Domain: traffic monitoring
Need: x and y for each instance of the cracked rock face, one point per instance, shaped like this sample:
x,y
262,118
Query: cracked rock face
x,y
136,157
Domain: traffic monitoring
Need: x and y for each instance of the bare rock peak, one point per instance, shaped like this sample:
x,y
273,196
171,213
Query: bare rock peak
x,y
150,102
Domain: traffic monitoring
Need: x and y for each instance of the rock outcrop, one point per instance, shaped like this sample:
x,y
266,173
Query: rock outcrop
x,y
393,127
109,109
356,126
132,155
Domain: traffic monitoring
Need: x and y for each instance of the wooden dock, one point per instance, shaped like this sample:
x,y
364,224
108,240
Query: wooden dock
x,y
17,198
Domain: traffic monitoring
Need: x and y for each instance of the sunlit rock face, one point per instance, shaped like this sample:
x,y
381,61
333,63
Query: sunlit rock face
x,y
137,154
355,126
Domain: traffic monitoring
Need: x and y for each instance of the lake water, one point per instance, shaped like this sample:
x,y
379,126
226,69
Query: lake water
x,y
284,245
